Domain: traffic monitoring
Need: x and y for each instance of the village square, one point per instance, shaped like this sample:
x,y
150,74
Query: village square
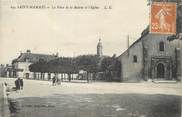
x,y
145,80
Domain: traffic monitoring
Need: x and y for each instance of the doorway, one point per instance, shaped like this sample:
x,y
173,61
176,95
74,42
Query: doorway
x,y
160,70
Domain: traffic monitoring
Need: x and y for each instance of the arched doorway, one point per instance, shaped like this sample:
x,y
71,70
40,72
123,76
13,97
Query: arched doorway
x,y
160,70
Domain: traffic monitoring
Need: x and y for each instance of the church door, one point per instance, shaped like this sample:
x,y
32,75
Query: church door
x,y
160,70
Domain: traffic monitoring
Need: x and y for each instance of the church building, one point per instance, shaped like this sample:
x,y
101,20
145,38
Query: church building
x,y
154,56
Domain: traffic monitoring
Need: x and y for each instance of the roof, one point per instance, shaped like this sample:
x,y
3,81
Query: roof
x,y
33,57
143,34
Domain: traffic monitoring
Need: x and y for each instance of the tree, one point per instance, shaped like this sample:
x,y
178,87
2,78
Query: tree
x,y
111,66
40,66
88,63
67,65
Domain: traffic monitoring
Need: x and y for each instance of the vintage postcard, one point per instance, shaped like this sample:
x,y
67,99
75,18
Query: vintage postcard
x,y
90,58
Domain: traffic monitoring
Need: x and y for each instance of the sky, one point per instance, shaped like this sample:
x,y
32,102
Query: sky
x,y
70,32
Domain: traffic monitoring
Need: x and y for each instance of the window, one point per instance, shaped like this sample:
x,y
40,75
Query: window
x,y
135,59
161,46
26,59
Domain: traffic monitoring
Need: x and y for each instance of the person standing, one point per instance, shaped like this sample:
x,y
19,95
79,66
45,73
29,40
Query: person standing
x,y
53,81
21,83
58,81
17,84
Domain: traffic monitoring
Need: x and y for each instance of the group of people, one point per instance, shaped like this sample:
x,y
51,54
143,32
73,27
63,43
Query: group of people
x,y
19,84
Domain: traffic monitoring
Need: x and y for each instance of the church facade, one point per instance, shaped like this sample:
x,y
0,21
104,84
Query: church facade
x,y
152,56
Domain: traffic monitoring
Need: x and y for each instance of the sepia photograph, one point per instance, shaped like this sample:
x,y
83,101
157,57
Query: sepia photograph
x,y
90,58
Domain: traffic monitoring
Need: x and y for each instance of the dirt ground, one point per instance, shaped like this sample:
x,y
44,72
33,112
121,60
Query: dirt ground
x,y
34,88
96,99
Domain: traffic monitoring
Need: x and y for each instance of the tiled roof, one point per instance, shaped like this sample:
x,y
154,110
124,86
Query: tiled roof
x,y
33,57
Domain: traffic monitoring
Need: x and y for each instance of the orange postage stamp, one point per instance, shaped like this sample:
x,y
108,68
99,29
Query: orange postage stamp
x,y
163,18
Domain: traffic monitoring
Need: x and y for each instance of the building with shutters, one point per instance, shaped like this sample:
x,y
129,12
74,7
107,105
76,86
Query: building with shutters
x,y
21,64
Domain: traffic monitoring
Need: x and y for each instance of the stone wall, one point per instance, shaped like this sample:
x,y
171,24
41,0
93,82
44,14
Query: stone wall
x,y
151,43
132,71
148,57
179,18
181,60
